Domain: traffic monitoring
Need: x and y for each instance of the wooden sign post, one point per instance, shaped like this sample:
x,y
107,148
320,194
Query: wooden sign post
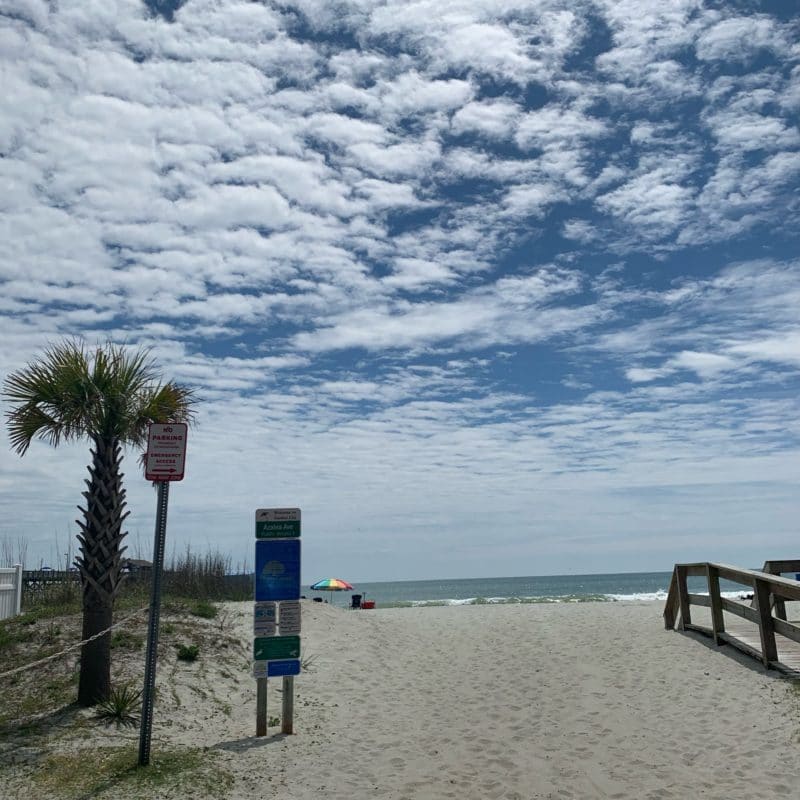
x,y
276,616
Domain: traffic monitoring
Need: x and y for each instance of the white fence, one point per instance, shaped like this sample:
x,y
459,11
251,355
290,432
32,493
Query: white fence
x,y
10,591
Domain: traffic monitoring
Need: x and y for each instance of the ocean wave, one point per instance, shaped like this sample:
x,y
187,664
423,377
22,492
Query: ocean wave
x,y
641,597
481,601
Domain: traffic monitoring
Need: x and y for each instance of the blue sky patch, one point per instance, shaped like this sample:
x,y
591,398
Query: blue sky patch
x,y
424,266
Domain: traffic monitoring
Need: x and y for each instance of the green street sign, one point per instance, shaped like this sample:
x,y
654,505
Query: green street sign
x,y
269,648
277,529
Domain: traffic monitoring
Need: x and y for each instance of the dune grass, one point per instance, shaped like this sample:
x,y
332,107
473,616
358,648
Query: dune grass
x,y
114,772
51,621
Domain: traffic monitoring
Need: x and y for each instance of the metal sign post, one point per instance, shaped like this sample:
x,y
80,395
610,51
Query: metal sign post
x,y
164,462
152,629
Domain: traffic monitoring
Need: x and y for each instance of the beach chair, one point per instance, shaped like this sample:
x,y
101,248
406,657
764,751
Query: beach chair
x,y
355,601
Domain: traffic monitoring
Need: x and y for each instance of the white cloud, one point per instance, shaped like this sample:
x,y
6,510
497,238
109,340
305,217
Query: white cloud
x,y
532,199
490,118
433,236
741,131
396,161
654,201
417,274
783,349
412,93
494,49
739,38
645,374
510,311
643,33
706,365
580,230
557,126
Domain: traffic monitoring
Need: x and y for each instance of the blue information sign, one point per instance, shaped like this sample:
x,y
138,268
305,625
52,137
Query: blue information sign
x,y
277,569
277,668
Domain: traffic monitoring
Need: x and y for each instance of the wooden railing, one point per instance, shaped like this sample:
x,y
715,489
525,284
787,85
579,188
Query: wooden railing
x,y
39,578
769,594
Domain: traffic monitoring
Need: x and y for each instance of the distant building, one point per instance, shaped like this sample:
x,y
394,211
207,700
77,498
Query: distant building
x,y
136,566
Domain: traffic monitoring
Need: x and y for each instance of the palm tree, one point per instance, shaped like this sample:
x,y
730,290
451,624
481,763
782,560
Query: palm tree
x,y
109,396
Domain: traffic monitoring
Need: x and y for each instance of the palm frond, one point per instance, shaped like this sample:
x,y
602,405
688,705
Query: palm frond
x,y
110,392
48,397
168,402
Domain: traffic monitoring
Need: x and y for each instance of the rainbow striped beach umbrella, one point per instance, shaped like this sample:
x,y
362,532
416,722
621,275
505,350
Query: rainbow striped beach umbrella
x,y
332,585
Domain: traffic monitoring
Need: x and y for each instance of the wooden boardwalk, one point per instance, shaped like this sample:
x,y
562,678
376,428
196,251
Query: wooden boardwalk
x,y
749,639
765,625
788,651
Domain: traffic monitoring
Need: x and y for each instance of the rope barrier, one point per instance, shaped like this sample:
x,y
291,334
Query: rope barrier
x,y
73,646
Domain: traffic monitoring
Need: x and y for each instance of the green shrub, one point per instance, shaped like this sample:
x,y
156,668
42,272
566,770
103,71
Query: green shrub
x,y
12,632
188,652
204,609
125,640
122,707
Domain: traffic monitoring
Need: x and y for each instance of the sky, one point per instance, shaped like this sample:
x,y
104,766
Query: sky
x,y
485,288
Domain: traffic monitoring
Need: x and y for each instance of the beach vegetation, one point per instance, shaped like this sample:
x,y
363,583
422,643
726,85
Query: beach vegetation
x,y
190,772
52,600
308,663
53,692
39,701
188,652
207,576
204,609
126,640
12,633
107,396
121,708
51,632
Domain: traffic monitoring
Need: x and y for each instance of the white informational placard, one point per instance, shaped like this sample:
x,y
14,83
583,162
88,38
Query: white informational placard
x,y
264,618
289,617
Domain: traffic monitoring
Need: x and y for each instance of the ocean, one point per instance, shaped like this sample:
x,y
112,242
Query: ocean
x,y
631,586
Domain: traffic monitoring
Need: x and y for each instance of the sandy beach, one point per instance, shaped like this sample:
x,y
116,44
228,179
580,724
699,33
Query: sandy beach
x,y
592,700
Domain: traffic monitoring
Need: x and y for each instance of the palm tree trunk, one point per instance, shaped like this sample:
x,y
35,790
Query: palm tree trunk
x,y
100,565
95,678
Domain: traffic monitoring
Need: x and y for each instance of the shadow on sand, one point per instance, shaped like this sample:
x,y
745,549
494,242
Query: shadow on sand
x,y
19,739
250,743
739,657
